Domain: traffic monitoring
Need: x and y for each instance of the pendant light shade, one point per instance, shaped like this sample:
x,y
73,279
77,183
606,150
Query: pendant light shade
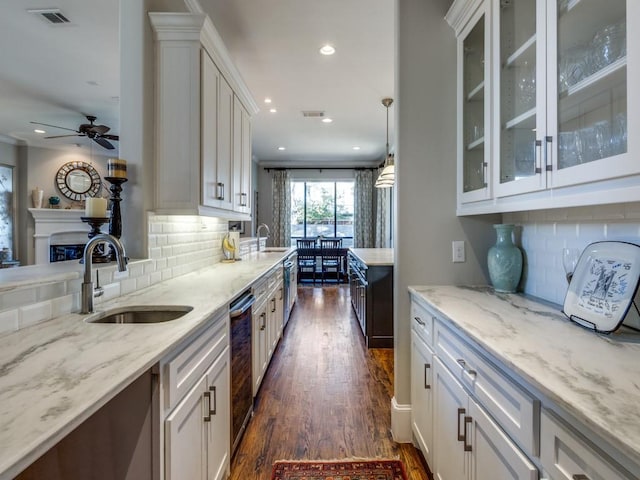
x,y
387,177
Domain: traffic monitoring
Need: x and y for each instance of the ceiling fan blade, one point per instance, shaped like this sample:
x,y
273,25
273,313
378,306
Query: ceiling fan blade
x,y
100,129
105,143
62,136
111,137
55,126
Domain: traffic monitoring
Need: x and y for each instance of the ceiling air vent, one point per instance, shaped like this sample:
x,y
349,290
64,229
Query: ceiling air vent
x,y
51,15
312,113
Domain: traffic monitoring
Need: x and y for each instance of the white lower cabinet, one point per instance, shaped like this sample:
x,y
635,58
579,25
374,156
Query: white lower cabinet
x,y
566,455
268,322
197,432
196,404
469,445
422,395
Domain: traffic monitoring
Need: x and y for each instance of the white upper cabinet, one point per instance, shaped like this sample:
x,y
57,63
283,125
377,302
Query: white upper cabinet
x,y
197,88
559,106
473,102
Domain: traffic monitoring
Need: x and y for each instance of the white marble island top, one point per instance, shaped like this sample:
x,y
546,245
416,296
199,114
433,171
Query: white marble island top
x,y
595,378
56,374
374,256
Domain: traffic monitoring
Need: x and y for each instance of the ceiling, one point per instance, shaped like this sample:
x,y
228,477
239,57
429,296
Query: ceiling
x,y
56,74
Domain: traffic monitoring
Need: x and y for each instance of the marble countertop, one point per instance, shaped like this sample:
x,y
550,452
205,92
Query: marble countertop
x,y
56,374
595,378
374,256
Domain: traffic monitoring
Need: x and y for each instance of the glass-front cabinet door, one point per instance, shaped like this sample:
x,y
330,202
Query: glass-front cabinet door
x,y
588,88
519,96
473,144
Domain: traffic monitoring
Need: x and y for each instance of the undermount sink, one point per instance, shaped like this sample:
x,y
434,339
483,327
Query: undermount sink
x,y
275,249
140,314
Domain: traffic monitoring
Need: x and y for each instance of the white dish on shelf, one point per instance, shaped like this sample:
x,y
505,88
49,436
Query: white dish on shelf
x,y
603,286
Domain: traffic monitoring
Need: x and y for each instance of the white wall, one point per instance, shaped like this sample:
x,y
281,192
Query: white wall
x,y
425,195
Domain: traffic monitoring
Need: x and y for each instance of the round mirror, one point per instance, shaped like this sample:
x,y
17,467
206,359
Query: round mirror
x,y
77,180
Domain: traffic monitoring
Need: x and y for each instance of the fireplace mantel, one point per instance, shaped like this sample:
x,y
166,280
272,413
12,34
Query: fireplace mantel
x,y
63,225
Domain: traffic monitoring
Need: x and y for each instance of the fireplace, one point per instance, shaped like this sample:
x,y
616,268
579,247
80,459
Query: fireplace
x,y
59,234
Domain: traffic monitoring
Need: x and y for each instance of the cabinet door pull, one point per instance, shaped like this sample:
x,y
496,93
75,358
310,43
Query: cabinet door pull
x,y
220,191
467,446
461,411
426,367
243,199
207,396
273,304
548,153
263,316
215,401
461,362
419,320
538,157
579,476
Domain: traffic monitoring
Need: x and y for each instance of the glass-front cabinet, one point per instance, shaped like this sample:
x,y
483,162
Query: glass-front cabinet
x,y
557,103
518,96
473,150
589,123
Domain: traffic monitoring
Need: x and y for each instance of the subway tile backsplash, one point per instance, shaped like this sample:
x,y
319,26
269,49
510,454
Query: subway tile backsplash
x,y
176,244
544,233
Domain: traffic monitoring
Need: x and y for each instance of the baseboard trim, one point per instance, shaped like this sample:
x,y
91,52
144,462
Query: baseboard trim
x,y
400,422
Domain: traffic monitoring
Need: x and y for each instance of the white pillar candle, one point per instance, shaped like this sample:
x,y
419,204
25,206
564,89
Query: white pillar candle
x,y
95,207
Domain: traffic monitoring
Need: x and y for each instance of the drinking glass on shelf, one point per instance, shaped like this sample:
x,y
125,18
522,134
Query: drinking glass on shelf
x,y
570,257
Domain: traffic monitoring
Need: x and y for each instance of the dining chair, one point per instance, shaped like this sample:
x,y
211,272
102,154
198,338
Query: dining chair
x,y
331,257
307,253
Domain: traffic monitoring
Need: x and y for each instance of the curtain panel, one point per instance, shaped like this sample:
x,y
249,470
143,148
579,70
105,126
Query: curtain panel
x,y
363,209
281,231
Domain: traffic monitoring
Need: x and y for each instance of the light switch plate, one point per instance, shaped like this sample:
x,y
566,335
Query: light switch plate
x,y
458,253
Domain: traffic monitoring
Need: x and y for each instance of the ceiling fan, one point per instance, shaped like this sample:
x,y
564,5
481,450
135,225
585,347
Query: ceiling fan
x,y
97,133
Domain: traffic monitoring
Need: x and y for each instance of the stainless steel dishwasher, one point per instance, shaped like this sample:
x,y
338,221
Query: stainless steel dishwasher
x,y
241,372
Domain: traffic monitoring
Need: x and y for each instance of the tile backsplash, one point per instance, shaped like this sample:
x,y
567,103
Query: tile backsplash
x,y
543,234
177,245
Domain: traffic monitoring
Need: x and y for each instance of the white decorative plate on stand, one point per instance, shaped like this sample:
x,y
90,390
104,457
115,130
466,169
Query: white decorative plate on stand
x,y
604,285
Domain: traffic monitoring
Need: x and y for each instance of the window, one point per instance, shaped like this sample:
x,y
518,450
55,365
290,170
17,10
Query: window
x,y
322,208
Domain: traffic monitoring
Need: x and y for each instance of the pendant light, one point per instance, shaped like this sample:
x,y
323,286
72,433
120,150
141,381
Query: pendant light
x,y
386,179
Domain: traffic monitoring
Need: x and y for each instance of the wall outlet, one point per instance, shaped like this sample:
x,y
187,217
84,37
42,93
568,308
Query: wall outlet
x,y
458,255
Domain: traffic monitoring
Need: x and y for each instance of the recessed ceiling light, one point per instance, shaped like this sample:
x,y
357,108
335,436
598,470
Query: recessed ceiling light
x,y
267,100
273,110
356,148
327,50
327,120
281,148
38,130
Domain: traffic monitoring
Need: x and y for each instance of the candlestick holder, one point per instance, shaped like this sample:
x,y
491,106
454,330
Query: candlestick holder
x,y
99,254
115,224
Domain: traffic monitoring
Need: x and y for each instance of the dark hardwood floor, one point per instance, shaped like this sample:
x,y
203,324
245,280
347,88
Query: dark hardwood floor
x,y
325,396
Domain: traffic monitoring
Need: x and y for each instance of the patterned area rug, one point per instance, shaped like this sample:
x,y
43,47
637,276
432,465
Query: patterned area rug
x,y
339,470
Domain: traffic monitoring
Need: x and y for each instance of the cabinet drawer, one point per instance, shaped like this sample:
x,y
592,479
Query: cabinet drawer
x,y
187,367
422,322
568,456
260,290
515,410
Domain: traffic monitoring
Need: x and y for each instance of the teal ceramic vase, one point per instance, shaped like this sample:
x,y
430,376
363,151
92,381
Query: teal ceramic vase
x,y
504,260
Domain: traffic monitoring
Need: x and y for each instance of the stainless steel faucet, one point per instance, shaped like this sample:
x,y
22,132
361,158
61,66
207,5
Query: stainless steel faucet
x,y
87,285
261,226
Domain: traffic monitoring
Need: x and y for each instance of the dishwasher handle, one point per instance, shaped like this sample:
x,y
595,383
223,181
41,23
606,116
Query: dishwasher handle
x,y
241,305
